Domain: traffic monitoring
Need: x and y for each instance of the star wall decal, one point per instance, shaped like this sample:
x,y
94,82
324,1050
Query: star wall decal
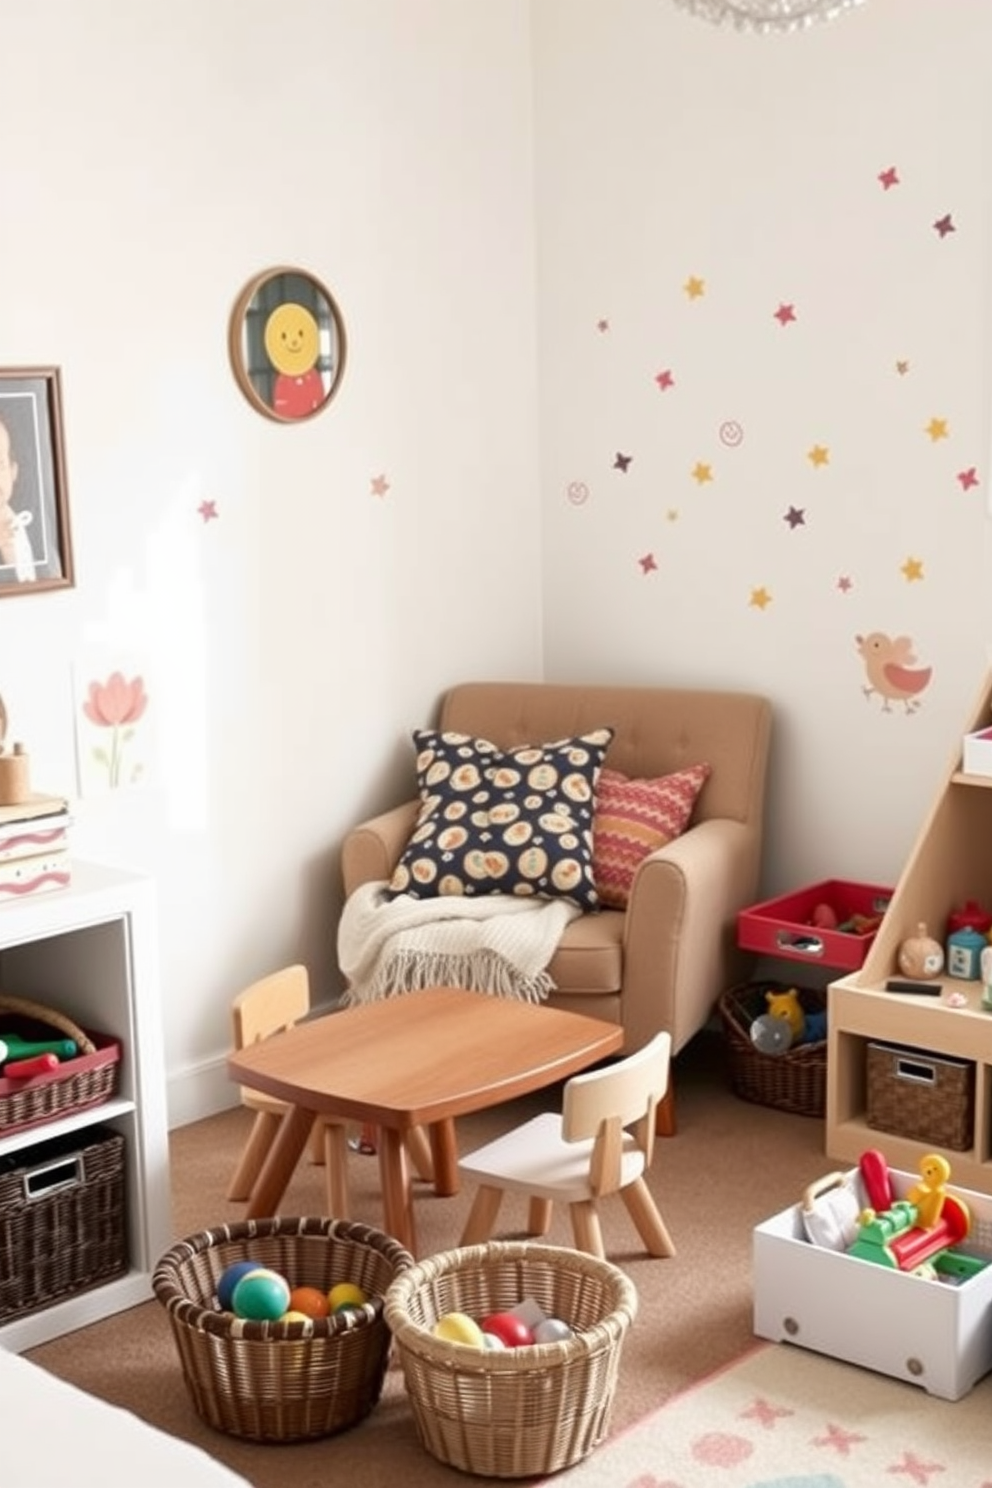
x,y
818,455
648,564
694,287
944,225
785,314
902,368
937,429
665,380
208,511
968,478
845,584
889,178
760,598
602,326
379,485
701,472
795,516
672,514
912,570
621,462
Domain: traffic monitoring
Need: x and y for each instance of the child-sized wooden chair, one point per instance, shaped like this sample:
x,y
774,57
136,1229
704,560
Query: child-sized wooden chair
x,y
602,1143
268,1006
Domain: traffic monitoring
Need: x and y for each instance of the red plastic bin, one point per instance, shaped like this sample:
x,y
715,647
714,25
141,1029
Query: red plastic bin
x,y
783,926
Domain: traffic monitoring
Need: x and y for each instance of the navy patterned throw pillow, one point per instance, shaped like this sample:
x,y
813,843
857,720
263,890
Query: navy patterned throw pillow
x,y
503,821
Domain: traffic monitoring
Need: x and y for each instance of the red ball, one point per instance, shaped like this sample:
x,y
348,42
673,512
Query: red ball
x,y
513,1331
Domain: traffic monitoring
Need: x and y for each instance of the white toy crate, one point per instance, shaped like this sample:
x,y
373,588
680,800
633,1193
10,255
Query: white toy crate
x,y
928,1333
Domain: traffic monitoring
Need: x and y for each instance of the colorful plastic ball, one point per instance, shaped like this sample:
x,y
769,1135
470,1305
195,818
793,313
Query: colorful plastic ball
x,y
458,1327
345,1294
311,1301
552,1330
294,1316
261,1295
490,1341
511,1329
229,1279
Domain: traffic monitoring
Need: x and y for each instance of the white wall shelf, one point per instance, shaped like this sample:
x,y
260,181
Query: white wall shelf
x,y
91,950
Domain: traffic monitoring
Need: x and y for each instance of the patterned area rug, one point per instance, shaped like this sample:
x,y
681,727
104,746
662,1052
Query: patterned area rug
x,y
782,1417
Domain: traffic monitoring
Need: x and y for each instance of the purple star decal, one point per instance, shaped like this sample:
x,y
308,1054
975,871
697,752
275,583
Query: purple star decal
x,y
621,462
845,584
796,517
208,511
648,564
784,314
602,326
944,225
889,178
665,380
968,478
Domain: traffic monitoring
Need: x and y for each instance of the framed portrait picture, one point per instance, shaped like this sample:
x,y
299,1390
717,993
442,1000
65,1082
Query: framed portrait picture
x,y
35,542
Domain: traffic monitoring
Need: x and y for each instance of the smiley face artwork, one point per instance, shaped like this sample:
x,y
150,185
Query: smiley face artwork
x,y
292,341
287,344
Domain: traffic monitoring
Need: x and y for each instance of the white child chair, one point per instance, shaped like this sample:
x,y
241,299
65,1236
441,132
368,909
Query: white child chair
x,y
601,1144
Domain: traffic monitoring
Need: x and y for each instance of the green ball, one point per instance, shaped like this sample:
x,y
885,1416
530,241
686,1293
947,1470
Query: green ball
x,y
261,1295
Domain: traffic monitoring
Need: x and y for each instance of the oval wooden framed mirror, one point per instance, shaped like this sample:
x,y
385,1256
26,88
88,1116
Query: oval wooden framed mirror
x,y
287,344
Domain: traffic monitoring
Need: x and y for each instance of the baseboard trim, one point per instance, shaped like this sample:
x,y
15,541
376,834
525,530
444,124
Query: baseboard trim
x,y
199,1091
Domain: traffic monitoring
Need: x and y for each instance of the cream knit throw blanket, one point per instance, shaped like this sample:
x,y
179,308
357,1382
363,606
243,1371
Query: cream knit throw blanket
x,y
495,943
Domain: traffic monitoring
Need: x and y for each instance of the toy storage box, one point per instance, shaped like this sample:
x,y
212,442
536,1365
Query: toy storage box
x,y
927,1333
782,927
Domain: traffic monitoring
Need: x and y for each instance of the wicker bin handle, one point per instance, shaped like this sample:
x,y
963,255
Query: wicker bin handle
x,y
37,1010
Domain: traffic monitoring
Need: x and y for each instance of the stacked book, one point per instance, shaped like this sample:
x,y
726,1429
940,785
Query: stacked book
x,y
34,846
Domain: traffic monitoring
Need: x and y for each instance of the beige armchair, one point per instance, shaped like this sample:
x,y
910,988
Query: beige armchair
x,y
662,963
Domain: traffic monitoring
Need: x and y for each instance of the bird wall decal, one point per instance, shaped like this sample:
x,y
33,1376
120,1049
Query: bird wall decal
x,y
891,670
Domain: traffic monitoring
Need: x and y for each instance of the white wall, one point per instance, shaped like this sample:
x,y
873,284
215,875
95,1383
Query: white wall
x,y
670,148
158,155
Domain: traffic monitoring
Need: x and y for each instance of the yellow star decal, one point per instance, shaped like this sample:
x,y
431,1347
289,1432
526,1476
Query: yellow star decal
x,y
937,429
760,598
912,570
694,287
818,455
702,472
672,514
902,368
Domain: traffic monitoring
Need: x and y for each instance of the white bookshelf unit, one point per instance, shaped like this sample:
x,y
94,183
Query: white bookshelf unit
x,y
91,950
950,863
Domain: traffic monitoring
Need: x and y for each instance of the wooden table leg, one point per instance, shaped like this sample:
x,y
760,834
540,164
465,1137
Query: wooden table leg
x,y
397,1190
444,1152
280,1164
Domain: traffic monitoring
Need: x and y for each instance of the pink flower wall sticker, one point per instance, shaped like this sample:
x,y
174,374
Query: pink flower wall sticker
x,y
116,704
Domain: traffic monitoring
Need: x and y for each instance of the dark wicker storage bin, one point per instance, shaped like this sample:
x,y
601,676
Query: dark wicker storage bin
x,y
926,1097
62,1219
795,1081
281,1381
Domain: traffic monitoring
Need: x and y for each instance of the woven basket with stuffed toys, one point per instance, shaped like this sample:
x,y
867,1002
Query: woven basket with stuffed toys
x,y
777,1041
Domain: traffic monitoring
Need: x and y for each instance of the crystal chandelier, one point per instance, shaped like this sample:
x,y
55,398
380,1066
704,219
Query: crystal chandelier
x,y
767,15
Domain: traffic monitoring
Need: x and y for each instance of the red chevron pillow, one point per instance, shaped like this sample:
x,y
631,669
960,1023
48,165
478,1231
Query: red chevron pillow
x,y
633,818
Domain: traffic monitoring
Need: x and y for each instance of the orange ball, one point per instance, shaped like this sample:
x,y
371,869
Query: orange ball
x,y
311,1301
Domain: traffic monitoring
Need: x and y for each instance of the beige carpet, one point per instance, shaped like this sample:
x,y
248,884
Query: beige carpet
x,y
730,1166
785,1418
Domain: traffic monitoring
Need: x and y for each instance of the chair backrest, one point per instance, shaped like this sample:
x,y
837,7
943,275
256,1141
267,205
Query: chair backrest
x,y
604,1103
269,1005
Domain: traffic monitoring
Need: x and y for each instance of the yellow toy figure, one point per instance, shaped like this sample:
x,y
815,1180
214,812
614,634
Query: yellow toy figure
x,y
928,1195
787,1005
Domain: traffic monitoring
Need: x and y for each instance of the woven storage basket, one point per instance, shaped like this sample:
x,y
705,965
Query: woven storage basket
x,y
87,1080
516,1412
281,1382
63,1219
795,1081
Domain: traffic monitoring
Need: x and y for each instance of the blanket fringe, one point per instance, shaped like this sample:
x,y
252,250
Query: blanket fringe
x,y
485,971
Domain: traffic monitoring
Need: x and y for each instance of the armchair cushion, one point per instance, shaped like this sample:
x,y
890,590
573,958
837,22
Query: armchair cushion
x,y
495,821
633,818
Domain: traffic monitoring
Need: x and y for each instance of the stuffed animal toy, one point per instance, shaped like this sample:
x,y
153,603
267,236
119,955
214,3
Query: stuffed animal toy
x,y
787,1005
